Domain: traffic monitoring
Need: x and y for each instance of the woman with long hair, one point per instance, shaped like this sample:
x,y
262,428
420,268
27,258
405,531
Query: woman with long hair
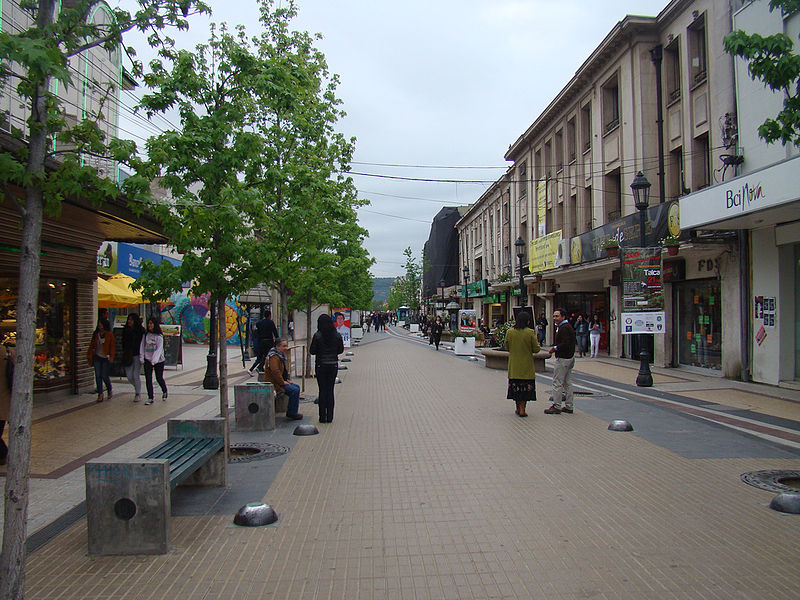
x,y
326,346
132,335
521,343
100,356
595,330
436,331
582,335
151,355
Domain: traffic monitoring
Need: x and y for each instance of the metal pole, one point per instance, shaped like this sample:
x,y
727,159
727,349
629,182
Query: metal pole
x,y
211,380
523,295
645,377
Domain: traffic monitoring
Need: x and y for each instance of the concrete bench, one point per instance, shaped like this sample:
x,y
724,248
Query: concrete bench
x,y
498,359
128,501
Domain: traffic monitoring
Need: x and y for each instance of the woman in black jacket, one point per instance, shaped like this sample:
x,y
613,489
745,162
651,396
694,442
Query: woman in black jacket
x,y
326,345
132,335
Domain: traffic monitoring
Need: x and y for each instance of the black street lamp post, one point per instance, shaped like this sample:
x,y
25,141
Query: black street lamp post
x,y
641,197
520,246
441,285
465,270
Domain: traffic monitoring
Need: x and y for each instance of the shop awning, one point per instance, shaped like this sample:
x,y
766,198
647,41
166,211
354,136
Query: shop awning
x,y
123,281
110,295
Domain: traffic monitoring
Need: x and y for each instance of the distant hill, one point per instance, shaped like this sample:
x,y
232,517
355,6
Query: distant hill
x,y
380,288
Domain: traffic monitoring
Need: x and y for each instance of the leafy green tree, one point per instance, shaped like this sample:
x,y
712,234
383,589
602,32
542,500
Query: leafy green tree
x,y
299,180
397,294
773,60
33,60
212,213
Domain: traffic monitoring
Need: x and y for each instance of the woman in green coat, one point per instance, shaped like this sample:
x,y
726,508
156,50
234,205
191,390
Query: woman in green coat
x,y
521,344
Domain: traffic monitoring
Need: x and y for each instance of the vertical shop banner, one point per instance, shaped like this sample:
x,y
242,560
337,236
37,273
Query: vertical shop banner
x,y
642,293
467,320
341,320
541,208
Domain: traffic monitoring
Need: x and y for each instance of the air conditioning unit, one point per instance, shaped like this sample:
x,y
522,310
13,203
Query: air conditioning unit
x,y
563,256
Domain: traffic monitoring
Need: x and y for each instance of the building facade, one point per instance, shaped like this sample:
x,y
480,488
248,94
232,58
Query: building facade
x,y
656,96
763,206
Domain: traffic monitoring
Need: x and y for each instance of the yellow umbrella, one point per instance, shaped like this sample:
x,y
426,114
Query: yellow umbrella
x,y
124,282
112,296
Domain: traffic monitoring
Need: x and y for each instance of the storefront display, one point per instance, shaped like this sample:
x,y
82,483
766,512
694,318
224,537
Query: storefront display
x,y
699,323
53,361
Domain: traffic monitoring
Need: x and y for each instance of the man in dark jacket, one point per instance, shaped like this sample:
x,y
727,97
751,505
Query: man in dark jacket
x,y
266,334
564,350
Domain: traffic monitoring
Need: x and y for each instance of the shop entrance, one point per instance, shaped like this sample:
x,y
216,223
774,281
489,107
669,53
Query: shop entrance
x,y
587,304
699,323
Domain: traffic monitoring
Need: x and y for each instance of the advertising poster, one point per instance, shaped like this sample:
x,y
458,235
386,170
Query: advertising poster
x,y
467,320
541,208
642,293
341,320
543,252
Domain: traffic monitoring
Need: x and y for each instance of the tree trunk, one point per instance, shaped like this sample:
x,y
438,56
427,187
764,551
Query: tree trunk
x,y
223,366
16,496
283,293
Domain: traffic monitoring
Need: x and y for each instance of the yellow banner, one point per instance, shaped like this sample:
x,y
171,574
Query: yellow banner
x,y
541,207
544,251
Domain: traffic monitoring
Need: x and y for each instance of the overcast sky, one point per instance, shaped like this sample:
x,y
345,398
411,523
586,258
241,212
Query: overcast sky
x,y
440,83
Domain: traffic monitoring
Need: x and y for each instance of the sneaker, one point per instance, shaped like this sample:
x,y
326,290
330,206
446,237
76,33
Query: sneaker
x,y
569,411
137,397
295,417
164,396
149,401
109,395
553,410
99,397
252,374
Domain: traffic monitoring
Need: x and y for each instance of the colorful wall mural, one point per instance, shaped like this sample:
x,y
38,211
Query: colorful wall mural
x,y
193,314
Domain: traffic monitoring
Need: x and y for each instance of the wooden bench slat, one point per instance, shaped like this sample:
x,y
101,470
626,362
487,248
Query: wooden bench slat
x,y
185,455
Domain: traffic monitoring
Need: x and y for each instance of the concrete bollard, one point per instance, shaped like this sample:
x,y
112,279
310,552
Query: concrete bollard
x,y
254,406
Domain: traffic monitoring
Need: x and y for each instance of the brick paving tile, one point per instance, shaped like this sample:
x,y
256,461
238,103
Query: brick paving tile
x,y
428,486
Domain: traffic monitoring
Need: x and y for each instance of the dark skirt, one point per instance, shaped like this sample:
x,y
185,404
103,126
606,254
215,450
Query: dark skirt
x,y
522,390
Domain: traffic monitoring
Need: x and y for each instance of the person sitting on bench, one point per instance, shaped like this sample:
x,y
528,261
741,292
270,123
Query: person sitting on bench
x,y
278,375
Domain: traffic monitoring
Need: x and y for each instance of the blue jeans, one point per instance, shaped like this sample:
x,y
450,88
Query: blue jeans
x,y
293,391
102,372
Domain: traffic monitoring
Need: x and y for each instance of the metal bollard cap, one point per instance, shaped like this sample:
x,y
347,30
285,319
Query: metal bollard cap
x,y
255,514
620,425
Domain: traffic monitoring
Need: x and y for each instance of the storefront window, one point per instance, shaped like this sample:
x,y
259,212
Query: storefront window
x,y
700,324
53,362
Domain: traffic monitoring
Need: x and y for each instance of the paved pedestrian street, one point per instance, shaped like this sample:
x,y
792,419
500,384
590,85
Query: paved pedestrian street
x,y
428,486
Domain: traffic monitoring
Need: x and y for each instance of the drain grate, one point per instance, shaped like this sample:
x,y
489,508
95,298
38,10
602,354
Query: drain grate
x,y
774,480
249,451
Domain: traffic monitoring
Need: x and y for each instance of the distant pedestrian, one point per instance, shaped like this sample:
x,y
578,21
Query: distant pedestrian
x,y
151,355
541,328
521,344
564,351
595,330
436,331
101,355
582,335
277,374
326,346
132,335
266,334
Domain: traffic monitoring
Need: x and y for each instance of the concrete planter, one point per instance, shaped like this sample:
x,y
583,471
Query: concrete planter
x,y
414,328
464,346
498,359
356,333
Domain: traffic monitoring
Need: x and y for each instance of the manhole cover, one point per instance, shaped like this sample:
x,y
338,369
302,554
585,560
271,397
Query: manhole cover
x,y
250,451
779,481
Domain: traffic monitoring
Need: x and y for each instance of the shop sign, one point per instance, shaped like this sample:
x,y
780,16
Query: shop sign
x,y
769,187
497,298
642,291
662,220
130,258
543,252
476,289
541,207
107,258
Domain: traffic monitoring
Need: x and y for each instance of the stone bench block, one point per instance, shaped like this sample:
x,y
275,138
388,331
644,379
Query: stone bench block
x,y
254,406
